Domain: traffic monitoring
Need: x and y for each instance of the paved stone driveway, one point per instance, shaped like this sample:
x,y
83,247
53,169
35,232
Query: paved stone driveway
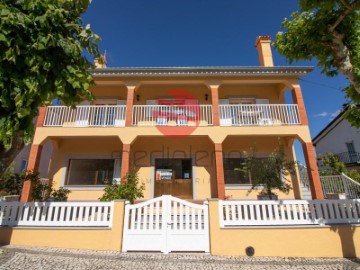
x,y
25,258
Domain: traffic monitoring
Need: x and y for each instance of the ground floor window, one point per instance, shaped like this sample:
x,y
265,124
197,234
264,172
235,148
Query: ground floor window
x,y
233,171
90,171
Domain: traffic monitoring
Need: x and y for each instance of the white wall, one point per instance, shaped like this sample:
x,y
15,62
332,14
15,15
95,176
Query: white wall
x,y
334,141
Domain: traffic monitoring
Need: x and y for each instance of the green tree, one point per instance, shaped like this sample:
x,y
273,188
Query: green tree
x,y
334,166
42,45
269,173
328,30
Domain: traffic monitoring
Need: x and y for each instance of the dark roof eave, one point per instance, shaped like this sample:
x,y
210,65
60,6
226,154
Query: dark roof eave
x,y
203,71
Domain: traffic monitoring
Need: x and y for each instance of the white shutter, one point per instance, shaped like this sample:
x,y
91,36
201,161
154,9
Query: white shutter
x,y
117,169
223,101
85,103
262,101
120,102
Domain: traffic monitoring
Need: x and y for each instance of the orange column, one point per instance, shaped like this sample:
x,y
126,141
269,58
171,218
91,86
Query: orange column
x,y
33,165
125,161
129,105
41,116
219,170
215,103
298,99
313,173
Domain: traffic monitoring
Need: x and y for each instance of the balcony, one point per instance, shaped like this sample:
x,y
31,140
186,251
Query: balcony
x,y
85,116
259,115
349,158
172,115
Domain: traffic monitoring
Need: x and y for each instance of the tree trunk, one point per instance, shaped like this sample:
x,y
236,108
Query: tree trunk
x,y
343,60
7,156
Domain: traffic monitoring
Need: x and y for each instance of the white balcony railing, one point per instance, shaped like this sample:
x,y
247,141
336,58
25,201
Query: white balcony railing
x,y
169,115
85,116
259,115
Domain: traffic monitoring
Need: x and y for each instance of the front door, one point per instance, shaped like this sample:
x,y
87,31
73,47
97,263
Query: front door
x,y
173,177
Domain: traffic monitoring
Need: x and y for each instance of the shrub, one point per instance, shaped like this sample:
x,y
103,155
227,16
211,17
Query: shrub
x,y
11,183
130,189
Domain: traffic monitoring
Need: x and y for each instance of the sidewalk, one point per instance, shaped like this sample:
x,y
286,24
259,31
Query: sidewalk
x,y
29,258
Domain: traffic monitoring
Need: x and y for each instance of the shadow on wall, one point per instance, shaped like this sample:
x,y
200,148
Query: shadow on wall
x,y
346,234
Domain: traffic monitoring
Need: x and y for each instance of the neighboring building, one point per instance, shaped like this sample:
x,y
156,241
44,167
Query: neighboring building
x,y
183,129
341,139
22,159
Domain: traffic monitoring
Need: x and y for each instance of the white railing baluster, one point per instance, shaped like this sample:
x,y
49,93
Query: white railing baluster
x,y
259,114
54,214
178,115
83,116
289,212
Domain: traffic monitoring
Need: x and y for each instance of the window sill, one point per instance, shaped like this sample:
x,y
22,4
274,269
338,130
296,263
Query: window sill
x,y
84,187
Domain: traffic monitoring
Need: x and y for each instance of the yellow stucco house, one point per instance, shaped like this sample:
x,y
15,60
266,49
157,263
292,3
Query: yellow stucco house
x,y
183,129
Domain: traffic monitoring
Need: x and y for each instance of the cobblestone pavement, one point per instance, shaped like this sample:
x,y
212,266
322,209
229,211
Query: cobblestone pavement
x,y
19,258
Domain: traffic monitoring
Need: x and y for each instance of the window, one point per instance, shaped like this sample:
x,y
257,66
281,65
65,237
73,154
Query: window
x,y
90,171
23,165
178,168
233,176
233,171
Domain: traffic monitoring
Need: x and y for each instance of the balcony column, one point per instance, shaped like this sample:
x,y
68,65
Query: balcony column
x,y
129,104
298,99
313,173
33,165
125,161
41,116
220,182
215,102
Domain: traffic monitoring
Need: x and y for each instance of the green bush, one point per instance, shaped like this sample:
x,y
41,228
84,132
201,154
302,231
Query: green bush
x,y
11,183
130,189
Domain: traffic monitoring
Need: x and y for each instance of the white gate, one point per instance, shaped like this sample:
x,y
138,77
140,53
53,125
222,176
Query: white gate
x,y
166,224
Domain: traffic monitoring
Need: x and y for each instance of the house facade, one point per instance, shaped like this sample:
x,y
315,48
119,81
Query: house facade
x,y
182,129
341,139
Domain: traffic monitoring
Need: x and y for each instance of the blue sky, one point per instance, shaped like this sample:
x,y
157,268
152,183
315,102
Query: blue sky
x,y
205,33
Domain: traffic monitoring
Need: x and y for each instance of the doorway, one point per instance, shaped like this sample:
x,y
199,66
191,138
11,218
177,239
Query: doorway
x,y
173,177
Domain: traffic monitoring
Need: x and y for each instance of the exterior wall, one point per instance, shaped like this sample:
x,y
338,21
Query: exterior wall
x,y
78,238
307,241
264,91
335,139
109,91
153,92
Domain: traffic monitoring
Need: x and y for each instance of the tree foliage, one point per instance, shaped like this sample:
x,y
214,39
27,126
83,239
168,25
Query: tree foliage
x,y
328,30
41,58
131,189
269,172
334,166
